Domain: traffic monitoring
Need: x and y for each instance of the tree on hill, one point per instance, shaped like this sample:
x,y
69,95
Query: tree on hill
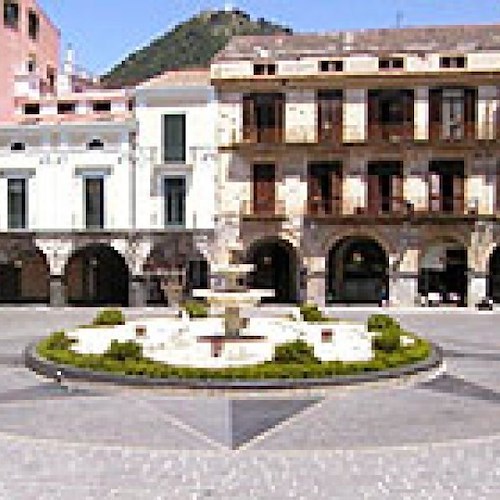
x,y
190,44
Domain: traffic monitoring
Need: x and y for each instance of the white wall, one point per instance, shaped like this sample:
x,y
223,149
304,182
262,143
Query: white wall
x,y
201,113
55,171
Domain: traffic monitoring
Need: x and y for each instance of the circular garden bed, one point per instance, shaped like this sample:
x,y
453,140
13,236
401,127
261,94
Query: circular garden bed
x,y
396,353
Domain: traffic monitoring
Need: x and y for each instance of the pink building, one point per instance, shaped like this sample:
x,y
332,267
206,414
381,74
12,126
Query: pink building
x,y
29,43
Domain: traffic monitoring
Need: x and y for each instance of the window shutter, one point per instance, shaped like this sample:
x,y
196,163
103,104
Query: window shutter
x,y
497,193
409,111
397,192
458,194
435,115
279,108
434,192
337,190
314,190
249,125
373,114
373,194
470,112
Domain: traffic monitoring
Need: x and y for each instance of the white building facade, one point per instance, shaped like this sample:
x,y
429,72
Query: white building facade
x,y
348,168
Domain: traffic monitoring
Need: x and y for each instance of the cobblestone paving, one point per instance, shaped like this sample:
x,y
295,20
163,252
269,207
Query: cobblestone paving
x,y
435,439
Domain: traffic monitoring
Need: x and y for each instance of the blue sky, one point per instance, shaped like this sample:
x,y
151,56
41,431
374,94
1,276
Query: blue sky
x,y
104,31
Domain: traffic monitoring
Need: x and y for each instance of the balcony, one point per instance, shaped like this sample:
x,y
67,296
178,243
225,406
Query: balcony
x,y
391,133
271,210
262,135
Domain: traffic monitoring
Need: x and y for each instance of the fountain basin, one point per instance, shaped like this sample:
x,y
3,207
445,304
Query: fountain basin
x,y
203,342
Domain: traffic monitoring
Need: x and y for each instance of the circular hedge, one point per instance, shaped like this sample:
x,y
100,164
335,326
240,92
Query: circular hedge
x,y
57,349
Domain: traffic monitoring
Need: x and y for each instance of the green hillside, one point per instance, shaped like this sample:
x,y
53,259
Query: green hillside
x,y
190,44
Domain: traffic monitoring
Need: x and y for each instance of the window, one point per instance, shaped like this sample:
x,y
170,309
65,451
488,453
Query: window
x,y
31,65
94,202
264,69
331,66
174,138
175,201
33,25
51,78
16,201
452,62
31,109
17,146
324,188
101,106
95,144
263,117
65,108
11,14
330,115
453,110
391,63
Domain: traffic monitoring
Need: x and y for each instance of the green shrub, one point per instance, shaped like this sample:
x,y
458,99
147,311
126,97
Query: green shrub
x,y
126,358
381,322
124,351
196,309
298,352
58,342
388,340
109,317
312,314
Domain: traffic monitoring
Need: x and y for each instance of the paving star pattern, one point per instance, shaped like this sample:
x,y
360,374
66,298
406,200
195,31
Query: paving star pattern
x,y
416,439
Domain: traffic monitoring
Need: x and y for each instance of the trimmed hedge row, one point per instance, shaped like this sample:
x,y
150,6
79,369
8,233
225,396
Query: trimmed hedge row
x,y
293,361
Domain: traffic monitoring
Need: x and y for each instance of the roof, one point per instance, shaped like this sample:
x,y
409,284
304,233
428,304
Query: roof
x,y
194,77
459,38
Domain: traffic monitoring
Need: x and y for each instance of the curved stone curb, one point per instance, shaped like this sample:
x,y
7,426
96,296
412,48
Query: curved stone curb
x,y
49,369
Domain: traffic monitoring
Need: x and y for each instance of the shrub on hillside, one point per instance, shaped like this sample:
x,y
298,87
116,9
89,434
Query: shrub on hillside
x,y
297,352
109,317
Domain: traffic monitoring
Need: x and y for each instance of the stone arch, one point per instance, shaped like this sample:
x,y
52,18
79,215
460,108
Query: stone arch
x,y
357,270
276,267
172,274
442,269
362,233
24,274
97,274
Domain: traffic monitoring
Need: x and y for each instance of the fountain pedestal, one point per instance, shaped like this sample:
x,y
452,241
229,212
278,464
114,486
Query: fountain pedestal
x,y
230,294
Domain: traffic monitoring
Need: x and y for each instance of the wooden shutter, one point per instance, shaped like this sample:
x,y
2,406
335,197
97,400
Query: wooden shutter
x,y
408,114
264,186
336,183
373,115
373,193
458,194
324,119
434,184
329,116
313,190
470,112
497,185
397,192
279,110
249,125
435,114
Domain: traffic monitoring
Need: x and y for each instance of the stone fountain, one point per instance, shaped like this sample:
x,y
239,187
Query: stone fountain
x,y
228,341
229,294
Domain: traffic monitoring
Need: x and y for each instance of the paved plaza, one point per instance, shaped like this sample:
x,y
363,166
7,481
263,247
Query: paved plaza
x,y
435,437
